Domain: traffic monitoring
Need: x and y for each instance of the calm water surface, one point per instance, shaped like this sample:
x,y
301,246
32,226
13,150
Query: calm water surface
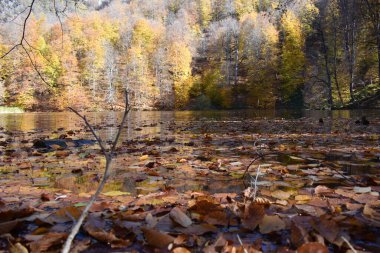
x,y
165,123
50,121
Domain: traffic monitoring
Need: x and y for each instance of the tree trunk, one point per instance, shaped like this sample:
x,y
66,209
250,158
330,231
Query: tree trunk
x,y
328,74
335,61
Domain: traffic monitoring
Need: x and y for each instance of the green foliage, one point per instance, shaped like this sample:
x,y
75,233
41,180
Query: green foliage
x,y
292,58
195,53
207,91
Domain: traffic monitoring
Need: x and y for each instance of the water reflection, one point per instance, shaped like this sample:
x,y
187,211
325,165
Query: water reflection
x,y
54,120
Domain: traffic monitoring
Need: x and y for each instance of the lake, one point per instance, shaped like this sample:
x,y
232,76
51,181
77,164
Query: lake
x,y
169,136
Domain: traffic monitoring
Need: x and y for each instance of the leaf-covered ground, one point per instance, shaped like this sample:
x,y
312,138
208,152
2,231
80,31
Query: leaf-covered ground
x,y
212,186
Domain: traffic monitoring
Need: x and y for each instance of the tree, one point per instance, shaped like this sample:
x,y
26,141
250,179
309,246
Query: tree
x,y
259,59
292,59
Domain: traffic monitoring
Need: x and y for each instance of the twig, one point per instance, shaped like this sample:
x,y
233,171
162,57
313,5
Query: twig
x,y
23,31
241,243
250,164
255,183
349,244
108,155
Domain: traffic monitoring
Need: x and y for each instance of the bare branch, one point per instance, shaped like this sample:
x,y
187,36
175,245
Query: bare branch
x,y
98,139
127,109
108,155
57,13
23,31
34,65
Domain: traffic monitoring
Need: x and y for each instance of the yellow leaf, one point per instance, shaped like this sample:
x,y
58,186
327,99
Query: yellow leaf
x,y
115,193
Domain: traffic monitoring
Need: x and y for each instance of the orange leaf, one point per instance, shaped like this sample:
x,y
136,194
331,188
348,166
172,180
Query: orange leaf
x,y
312,247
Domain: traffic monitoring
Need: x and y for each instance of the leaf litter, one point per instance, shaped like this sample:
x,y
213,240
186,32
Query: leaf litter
x,y
317,191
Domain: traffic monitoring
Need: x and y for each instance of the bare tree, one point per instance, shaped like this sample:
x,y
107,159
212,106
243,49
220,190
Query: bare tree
x,y
110,68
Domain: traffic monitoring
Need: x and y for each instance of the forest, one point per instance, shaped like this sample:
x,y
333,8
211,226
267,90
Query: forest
x,y
189,54
229,126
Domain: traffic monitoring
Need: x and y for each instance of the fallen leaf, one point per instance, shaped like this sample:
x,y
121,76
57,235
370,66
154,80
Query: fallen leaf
x,y
65,214
62,153
198,229
180,250
372,212
18,248
365,198
180,217
157,239
322,190
8,226
298,234
280,195
252,215
302,197
45,197
150,220
358,189
143,158
312,247
11,213
47,241
271,223
115,193
94,227
328,228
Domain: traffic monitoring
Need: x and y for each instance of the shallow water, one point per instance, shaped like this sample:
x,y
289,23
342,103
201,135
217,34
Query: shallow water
x,y
51,121
181,125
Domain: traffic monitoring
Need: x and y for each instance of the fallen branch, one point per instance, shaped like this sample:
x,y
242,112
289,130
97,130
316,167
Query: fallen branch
x,y
108,154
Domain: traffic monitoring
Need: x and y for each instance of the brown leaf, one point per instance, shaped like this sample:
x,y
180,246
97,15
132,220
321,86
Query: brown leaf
x,y
62,153
198,229
372,212
280,194
64,215
180,217
270,224
217,246
180,250
329,229
204,207
157,239
7,213
95,227
47,241
322,190
365,198
45,197
298,235
216,218
312,247
252,215
8,226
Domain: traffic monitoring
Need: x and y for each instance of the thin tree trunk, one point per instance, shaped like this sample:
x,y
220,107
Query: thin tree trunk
x,y
328,74
335,62
236,60
378,51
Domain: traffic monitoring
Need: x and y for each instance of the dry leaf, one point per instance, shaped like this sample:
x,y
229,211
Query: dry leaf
x,y
180,250
198,229
312,247
18,248
157,239
180,217
271,223
47,241
329,229
280,195
8,226
252,215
